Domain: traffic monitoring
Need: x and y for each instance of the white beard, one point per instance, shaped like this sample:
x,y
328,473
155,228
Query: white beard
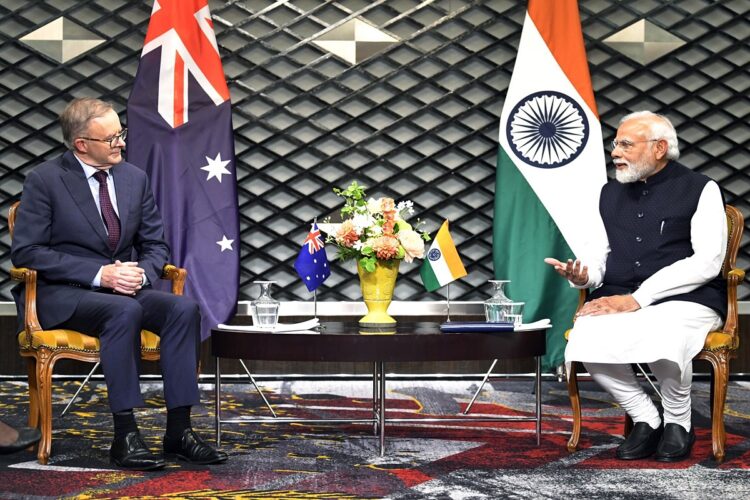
x,y
635,171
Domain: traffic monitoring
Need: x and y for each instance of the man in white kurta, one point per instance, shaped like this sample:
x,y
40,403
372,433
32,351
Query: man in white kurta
x,y
656,286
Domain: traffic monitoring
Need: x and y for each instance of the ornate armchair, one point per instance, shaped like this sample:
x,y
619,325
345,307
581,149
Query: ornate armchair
x,y
719,347
43,348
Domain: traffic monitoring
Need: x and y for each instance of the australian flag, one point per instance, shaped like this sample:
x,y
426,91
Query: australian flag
x,y
180,133
312,261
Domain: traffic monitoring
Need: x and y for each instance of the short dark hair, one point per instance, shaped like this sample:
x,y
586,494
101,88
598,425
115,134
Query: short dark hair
x,y
76,116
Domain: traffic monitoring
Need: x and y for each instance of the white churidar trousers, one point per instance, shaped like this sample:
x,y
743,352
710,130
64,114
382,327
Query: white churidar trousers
x,y
666,336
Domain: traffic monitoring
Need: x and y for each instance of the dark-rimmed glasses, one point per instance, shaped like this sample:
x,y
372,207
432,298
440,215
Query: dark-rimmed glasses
x,y
111,140
626,145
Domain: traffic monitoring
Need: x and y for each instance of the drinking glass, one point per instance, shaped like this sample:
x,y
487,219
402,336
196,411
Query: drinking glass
x,y
513,313
493,307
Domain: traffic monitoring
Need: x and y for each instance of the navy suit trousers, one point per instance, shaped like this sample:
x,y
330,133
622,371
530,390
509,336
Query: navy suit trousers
x,y
118,319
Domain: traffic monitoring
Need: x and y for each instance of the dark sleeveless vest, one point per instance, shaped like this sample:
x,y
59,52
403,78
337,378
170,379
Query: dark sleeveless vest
x,y
648,226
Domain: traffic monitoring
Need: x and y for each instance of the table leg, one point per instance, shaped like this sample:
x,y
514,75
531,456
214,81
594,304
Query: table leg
x,y
375,399
263,396
217,395
481,386
538,382
381,369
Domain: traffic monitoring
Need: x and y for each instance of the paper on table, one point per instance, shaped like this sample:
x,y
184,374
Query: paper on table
x,y
302,327
536,325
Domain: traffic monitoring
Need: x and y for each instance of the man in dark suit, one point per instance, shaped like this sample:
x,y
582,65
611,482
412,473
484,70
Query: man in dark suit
x,y
89,225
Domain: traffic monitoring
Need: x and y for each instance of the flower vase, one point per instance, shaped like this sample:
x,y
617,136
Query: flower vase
x,y
377,292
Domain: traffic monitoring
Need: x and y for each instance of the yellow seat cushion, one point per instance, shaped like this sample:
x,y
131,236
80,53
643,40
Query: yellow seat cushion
x,y
77,341
719,340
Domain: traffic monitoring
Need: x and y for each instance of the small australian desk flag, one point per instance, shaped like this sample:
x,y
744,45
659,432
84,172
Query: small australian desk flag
x,y
312,261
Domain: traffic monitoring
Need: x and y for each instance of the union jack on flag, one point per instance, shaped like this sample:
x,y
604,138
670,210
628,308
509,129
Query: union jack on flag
x,y
313,240
312,261
190,160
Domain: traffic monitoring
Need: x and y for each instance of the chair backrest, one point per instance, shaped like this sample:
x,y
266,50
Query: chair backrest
x,y
735,227
12,217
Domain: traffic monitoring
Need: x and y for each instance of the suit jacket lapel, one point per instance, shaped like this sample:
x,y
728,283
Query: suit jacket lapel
x,y
76,183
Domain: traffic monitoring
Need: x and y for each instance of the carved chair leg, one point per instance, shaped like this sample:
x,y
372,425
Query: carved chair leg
x,y
720,365
575,404
45,363
31,365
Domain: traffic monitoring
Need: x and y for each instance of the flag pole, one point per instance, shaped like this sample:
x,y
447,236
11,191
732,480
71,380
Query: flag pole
x,y
315,292
448,301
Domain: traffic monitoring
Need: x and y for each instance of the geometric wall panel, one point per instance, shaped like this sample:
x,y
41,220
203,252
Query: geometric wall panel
x,y
414,119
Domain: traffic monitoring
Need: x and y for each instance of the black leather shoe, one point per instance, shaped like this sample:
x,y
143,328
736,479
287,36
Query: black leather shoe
x,y
130,452
191,448
26,437
675,443
640,443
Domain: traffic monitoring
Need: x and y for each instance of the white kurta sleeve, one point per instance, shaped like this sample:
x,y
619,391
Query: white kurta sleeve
x,y
595,258
708,236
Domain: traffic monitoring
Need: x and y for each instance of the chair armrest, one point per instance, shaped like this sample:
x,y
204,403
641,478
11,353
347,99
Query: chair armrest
x,y
177,275
734,278
31,321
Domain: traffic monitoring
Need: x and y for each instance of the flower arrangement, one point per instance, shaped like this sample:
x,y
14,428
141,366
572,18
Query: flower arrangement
x,y
375,230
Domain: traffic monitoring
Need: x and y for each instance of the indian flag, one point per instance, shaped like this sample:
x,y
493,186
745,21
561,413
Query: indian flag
x,y
442,264
550,168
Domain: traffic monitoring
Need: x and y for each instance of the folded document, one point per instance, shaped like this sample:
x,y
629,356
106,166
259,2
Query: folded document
x,y
303,327
484,326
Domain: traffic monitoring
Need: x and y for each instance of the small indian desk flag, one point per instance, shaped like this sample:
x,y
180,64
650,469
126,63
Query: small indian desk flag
x,y
312,261
442,264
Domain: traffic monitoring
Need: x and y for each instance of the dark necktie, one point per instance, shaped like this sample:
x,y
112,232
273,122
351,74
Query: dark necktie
x,y
108,211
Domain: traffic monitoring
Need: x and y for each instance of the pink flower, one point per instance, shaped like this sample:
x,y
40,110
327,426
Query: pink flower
x,y
385,247
346,235
388,207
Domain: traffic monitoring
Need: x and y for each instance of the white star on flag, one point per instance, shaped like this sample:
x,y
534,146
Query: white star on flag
x,y
225,243
216,167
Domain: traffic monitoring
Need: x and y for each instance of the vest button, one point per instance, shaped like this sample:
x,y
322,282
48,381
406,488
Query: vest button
x,y
637,263
640,215
638,239
645,192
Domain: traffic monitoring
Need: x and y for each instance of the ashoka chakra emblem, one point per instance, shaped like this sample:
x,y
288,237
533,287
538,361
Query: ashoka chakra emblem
x,y
433,254
547,129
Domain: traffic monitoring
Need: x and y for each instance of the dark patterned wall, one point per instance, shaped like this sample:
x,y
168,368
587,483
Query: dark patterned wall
x,y
418,120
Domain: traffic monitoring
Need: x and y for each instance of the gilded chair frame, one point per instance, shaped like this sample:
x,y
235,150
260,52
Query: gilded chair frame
x,y
720,346
43,348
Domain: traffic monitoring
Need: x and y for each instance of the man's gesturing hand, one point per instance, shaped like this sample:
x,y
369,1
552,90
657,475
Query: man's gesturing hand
x,y
122,277
571,271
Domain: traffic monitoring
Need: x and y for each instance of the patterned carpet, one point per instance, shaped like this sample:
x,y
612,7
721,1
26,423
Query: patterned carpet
x,y
450,460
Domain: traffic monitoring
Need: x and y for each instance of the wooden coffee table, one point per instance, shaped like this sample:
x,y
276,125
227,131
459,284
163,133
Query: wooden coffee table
x,y
342,342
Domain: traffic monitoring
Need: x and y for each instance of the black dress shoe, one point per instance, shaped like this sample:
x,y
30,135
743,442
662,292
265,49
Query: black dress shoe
x,y
130,452
675,443
191,448
640,443
26,437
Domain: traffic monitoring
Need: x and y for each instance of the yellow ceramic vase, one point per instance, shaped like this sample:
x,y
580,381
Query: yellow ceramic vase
x,y
377,292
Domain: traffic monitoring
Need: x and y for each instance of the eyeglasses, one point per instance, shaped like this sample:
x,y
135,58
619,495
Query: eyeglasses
x,y
111,140
628,145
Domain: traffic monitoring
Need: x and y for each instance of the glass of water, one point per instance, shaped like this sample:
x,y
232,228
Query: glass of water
x,y
512,312
493,307
265,309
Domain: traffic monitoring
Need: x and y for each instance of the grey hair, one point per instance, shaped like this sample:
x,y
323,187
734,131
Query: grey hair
x,y
75,118
661,128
